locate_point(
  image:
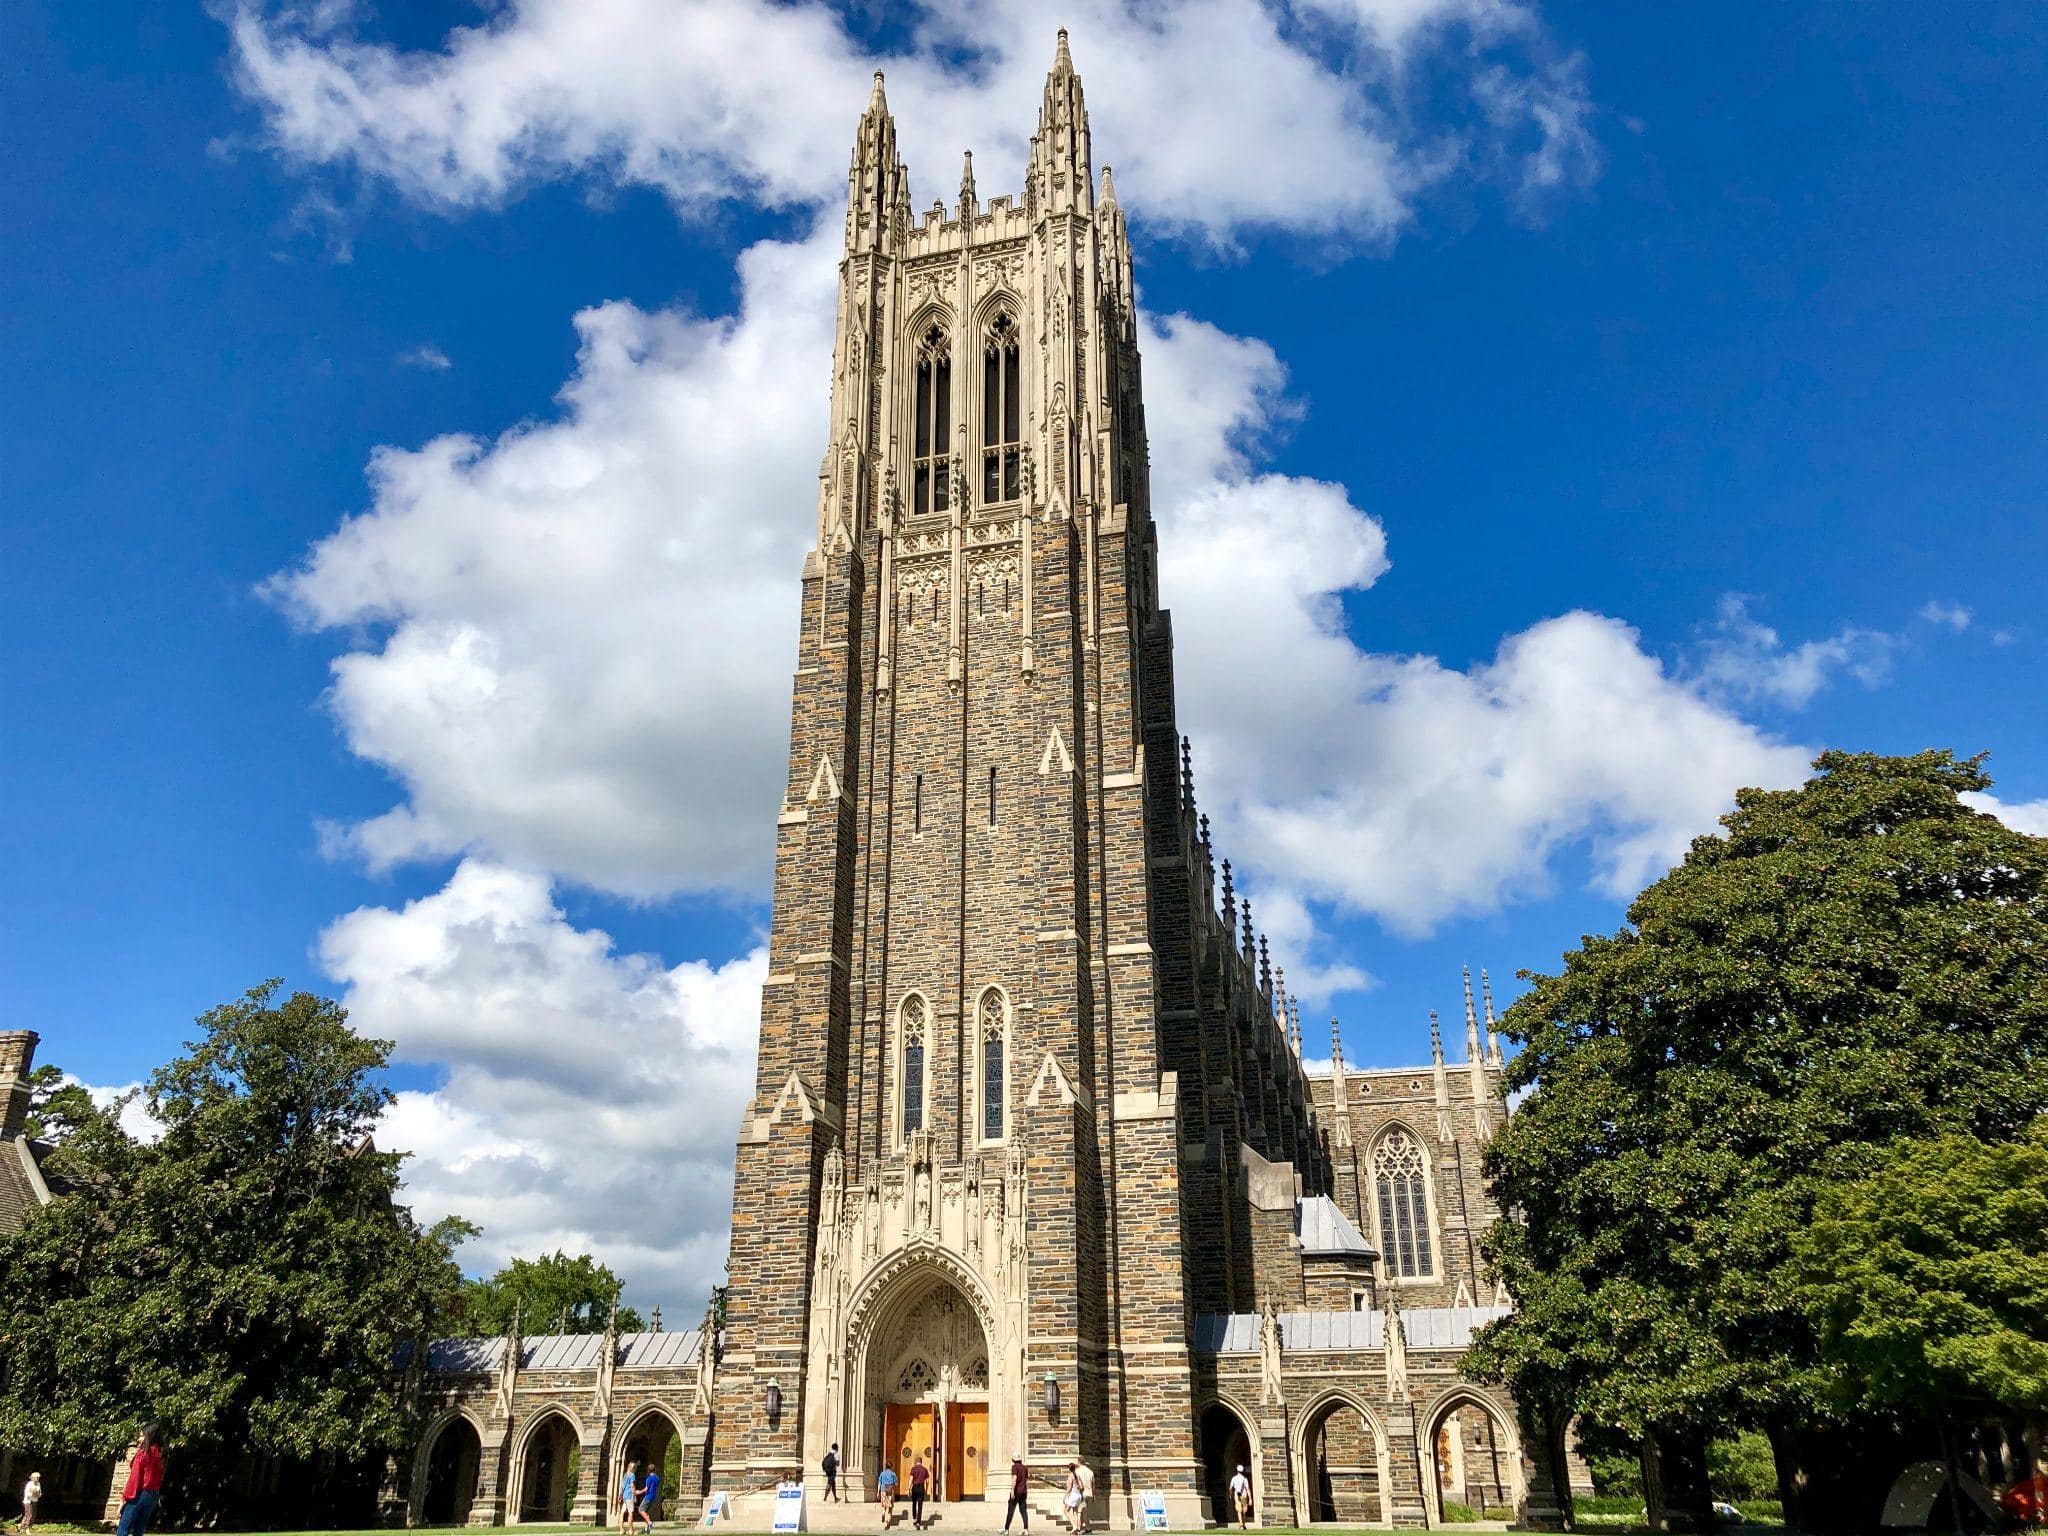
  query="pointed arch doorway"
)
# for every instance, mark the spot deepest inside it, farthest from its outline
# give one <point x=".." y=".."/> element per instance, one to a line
<point x="928" y="1383"/>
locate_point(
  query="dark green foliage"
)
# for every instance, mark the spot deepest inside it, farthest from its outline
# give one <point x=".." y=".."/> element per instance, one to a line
<point x="56" y="1108"/>
<point x="554" y="1294"/>
<point x="245" y="1280"/>
<point x="1928" y="1277"/>
<point x="1859" y="961"/>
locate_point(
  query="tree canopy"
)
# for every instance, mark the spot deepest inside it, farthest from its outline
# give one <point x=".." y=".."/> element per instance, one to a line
<point x="247" y="1278"/>
<point x="1928" y="1277"/>
<point x="553" y="1294"/>
<point x="1858" y="961"/>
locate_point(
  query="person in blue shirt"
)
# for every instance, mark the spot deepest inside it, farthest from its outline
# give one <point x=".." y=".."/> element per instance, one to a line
<point x="650" y="1500"/>
<point x="885" y="1488"/>
<point x="629" y="1497"/>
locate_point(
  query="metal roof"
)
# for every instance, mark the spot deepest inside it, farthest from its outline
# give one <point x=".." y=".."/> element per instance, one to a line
<point x="1321" y="1228"/>
<point x="1224" y="1333"/>
<point x="565" y="1352"/>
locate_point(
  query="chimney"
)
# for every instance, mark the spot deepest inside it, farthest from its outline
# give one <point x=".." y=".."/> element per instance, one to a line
<point x="17" y="1059"/>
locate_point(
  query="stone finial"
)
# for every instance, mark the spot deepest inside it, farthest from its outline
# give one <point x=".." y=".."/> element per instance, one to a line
<point x="655" y="1321"/>
<point x="1208" y="849"/>
<point x="1108" y="189"/>
<point x="1229" y="899"/>
<point x="1265" y="967"/>
<point x="1336" y="1050"/>
<point x="1062" y="61"/>
<point x="877" y="100"/>
<point x="967" y="198"/>
<point x="1436" y="1039"/>
<point x="1244" y="908"/>
<point x="1187" y="772"/>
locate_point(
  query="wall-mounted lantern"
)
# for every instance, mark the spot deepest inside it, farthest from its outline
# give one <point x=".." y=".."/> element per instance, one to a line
<point x="772" y="1400"/>
<point x="1052" y="1393"/>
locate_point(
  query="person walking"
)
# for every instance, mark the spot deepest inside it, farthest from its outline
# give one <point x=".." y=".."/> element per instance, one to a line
<point x="650" y="1500"/>
<point x="1072" y="1499"/>
<point x="1085" y="1476"/>
<point x="145" y="1483"/>
<point x="920" y="1482"/>
<point x="1241" y="1496"/>
<point x="31" y="1496"/>
<point x="629" y="1497"/>
<point x="885" y="1490"/>
<point x="1020" y="1489"/>
<point x="831" y="1466"/>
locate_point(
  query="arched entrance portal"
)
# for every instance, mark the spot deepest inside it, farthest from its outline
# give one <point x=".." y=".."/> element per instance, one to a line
<point x="928" y="1390"/>
<point x="1476" y="1454"/>
<point x="651" y="1442"/>
<point x="546" y="1469"/>
<point x="1226" y="1446"/>
<point x="453" y="1457"/>
<point x="1343" y="1465"/>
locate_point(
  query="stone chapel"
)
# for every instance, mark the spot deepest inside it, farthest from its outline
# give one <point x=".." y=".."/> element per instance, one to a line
<point x="1033" y="1166"/>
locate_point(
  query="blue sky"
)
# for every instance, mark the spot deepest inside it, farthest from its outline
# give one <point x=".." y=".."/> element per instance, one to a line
<point x="1726" y="327"/>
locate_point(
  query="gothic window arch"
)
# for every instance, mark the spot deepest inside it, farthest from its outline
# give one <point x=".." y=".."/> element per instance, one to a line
<point x="992" y="1063"/>
<point x="913" y="1064"/>
<point x="1403" y="1203"/>
<point x="1002" y="411"/>
<point x="916" y="1378"/>
<point x="932" y="418"/>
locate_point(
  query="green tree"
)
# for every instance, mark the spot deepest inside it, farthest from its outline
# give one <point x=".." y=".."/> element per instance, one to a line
<point x="552" y="1294"/>
<point x="1927" y="1278"/>
<point x="246" y="1279"/>
<point x="58" y="1106"/>
<point x="1860" y="960"/>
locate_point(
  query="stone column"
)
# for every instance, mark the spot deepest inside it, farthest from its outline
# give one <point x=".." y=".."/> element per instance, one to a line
<point x="112" y="1513"/>
<point x="488" y="1507"/>
<point x="1546" y="1502"/>
<point x="592" y="1471"/>
<point x="1407" y="1498"/>
<point x="1279" y="1506"/>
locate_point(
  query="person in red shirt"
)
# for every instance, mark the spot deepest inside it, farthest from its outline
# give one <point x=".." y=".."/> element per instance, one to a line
<point x="1020" y="1493"/>
<point x="920" y="1476"/>
<point x="145" y="1483"/>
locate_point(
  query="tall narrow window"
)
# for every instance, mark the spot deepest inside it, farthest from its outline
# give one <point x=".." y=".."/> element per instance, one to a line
<point x="1402" y="1181"/>
<point x="991" y="797"/>
<point x="992" y="1030"/>
<point x="1002" y="432"/>
<point x="914" y="1046"/>
<point x="917" y="804"/>
<point x="931" y="489"/>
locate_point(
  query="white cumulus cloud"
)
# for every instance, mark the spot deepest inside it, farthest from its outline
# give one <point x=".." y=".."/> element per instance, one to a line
<point x="755" y="100"/>
<point x="591" y="1099"/>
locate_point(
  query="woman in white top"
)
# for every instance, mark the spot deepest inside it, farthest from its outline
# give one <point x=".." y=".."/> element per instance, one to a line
<point x="31" y="1496"/>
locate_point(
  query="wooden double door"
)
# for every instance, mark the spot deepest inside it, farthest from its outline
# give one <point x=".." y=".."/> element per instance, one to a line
<point x="951" y="1437"/>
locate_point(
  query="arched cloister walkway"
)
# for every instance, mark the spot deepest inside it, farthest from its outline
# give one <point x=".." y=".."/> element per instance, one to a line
<point x="1472" y="1443"/>
<point x="545" y="1460"/>
<point x="1341" y="1471"/>
<point x="445" y="1471"/>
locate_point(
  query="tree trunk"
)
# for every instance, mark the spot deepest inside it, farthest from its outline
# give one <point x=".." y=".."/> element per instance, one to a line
<point x="1675" y="1479"/>
<point x="1833" y="1481"/>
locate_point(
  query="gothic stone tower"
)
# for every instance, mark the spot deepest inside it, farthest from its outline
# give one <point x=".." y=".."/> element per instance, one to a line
<point x="1012" y="1059"/>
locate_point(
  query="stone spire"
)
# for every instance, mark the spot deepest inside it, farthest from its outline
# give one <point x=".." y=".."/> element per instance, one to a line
<point x="968" y="202"/>
<point x="1441" y="1078"/>
<point x="875" y="182"/>
<point x="1475" y="1063"/>
<point x="1340" y="1092"/>
<point x="1060" y="173"/>
<point x="1493" y="1056"/>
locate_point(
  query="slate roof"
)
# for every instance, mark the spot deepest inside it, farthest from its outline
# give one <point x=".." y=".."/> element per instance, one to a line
<point x="1321" y="1228"/>
<point x="565" y="1352"/>
<point x="1224" y="1333"/>
<point x="18" y="1193"/>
